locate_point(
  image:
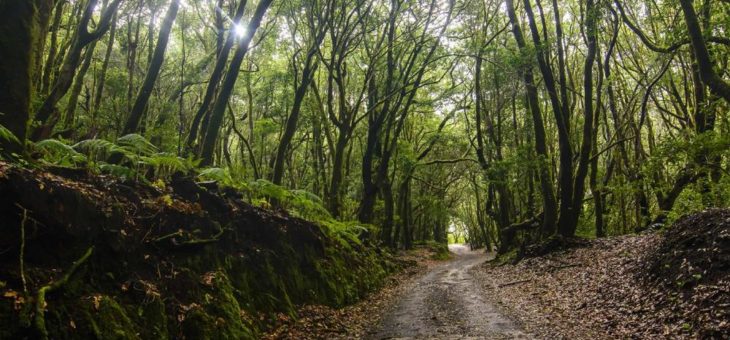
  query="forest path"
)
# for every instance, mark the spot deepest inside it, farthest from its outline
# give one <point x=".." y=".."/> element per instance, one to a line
<point x="446" y="303"/>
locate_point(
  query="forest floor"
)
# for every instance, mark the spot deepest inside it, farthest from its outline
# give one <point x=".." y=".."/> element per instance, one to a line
<point x="671" y="284"/>
<point x="668" y="284"/>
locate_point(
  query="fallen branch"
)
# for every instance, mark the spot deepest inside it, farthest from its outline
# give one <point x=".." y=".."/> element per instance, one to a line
<point x="40" y="301"/>
<point x="513" y="283"/>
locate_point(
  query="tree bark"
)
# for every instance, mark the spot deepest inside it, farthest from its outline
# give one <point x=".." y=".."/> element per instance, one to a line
<point x="219" y="107"/>
<point x="18" y="29"/>
<point x="47" y="115"/>
<point x="548" y="196"/>
<point x="716" y="84"/>
<point x="78" y="84"/>
<point x="102" y="75"/>
<point x="158" y="57"/>
<point x="215" y="78"/>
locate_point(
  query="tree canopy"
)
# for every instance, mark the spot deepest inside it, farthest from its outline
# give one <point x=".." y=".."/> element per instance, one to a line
<point x="510" y="122"/>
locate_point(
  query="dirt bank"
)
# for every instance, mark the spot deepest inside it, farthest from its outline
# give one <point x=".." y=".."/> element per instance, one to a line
<point x="86" y="256"/>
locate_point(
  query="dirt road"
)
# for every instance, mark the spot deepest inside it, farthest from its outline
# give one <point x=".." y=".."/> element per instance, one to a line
<point x="447" y="304"/>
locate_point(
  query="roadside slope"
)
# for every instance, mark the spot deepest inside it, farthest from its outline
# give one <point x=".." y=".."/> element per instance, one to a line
<point x="163" y="261"/>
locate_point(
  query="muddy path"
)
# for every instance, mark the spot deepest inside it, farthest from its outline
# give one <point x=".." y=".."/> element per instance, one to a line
<point x="446" y="303"/>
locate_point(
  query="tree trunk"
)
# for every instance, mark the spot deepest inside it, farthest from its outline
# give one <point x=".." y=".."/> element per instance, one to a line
<point x="548" y="196"/>
<point x="215" y="78"/>
<point x="310" y="65"/>
<point x="50" y="61"/>
<point x="716" y="84"/>
<point x="158" y="57"/>
<point x="47" y="115"/>
<point x="568" y="228"/>
<point x="16" y="52"/>
<point x="78" y="84"/>
<point x="216" y="117"/>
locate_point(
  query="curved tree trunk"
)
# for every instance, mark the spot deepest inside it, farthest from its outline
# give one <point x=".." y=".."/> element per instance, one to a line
<point x="78" y="84"/>
<point x="704" y="62"/>
<point x="548" y="196"/>
<point x="158" y="57"/>
<point x="219" y="107"/>
<point x="98" y="92"/>
<point x="48" y="115"/>
<point x="215" y="78"/>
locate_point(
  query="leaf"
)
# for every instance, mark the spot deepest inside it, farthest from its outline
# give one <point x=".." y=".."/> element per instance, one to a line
<point x="8" y="135"/>
<point x="137" y="144"/>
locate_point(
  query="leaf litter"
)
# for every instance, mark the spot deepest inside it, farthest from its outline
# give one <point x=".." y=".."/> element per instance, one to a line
<point x="672" y="284"/>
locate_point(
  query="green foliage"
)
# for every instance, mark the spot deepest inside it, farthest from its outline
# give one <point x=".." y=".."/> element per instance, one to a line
<point x="689" y="201"/>
<point x="138" y="157"/>
<point x="8" y="135"/>
<point x="59" y="153"/>
<point x="136" y="144"/>
<point x="220" y="175"/>
<point x="299" y="202"/>
<point x="96" y="148"/>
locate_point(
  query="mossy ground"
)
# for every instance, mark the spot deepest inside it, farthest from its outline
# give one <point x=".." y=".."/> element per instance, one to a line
<point x="178" y="262"/>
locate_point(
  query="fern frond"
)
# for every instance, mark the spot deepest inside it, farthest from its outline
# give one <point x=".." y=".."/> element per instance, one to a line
<point x="216" y="174"/>
<point x="96" y="149"/>
<point x="8" y="135"/>
<point x="59" y="153"/>
<point x="118" y="171"/>
<point x="304" y="194"/>
<point x="137" y="144"/>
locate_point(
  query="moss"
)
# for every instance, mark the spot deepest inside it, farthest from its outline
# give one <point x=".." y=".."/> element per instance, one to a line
<point x="108" y="319"/>
<point x="262" y="266"/>
<point x="155" y="320"/>
<point x="219" y="316"/>
<point x="509" y="257"/>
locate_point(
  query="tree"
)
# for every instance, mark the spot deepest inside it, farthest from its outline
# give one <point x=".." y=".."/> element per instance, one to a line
<point x="318" y="16"/>
<point x="47" y="116"/>
<point x="17" y="52"/>
<point x="158" y="57"/>
<point x="221" y="102"/>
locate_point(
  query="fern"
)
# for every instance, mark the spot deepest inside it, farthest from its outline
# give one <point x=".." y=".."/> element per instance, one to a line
<point x="136" y="144"/>
<point x="119" y="171"/>
<point x="262" y="187"/>
<point x="306" y="195"/>
<point x="8" y="135"/>
<point x="299" y="202"/>
<point x="216" y="174"/>
<point x="165" y="163"/>
<point x="59" y="153"/>
<point x="96" y="149"/>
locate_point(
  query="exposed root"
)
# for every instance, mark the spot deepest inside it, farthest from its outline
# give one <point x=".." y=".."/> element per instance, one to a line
<point x="40" y="302"/>
<point x="22" y="248"/>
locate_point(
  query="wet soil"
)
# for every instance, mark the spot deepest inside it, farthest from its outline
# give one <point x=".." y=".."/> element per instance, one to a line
<point x="447" y="303"/>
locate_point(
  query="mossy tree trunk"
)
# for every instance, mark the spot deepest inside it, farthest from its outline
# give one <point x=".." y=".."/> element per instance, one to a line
<point x="18" y="29"/>
<point x="48" y="114"/>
